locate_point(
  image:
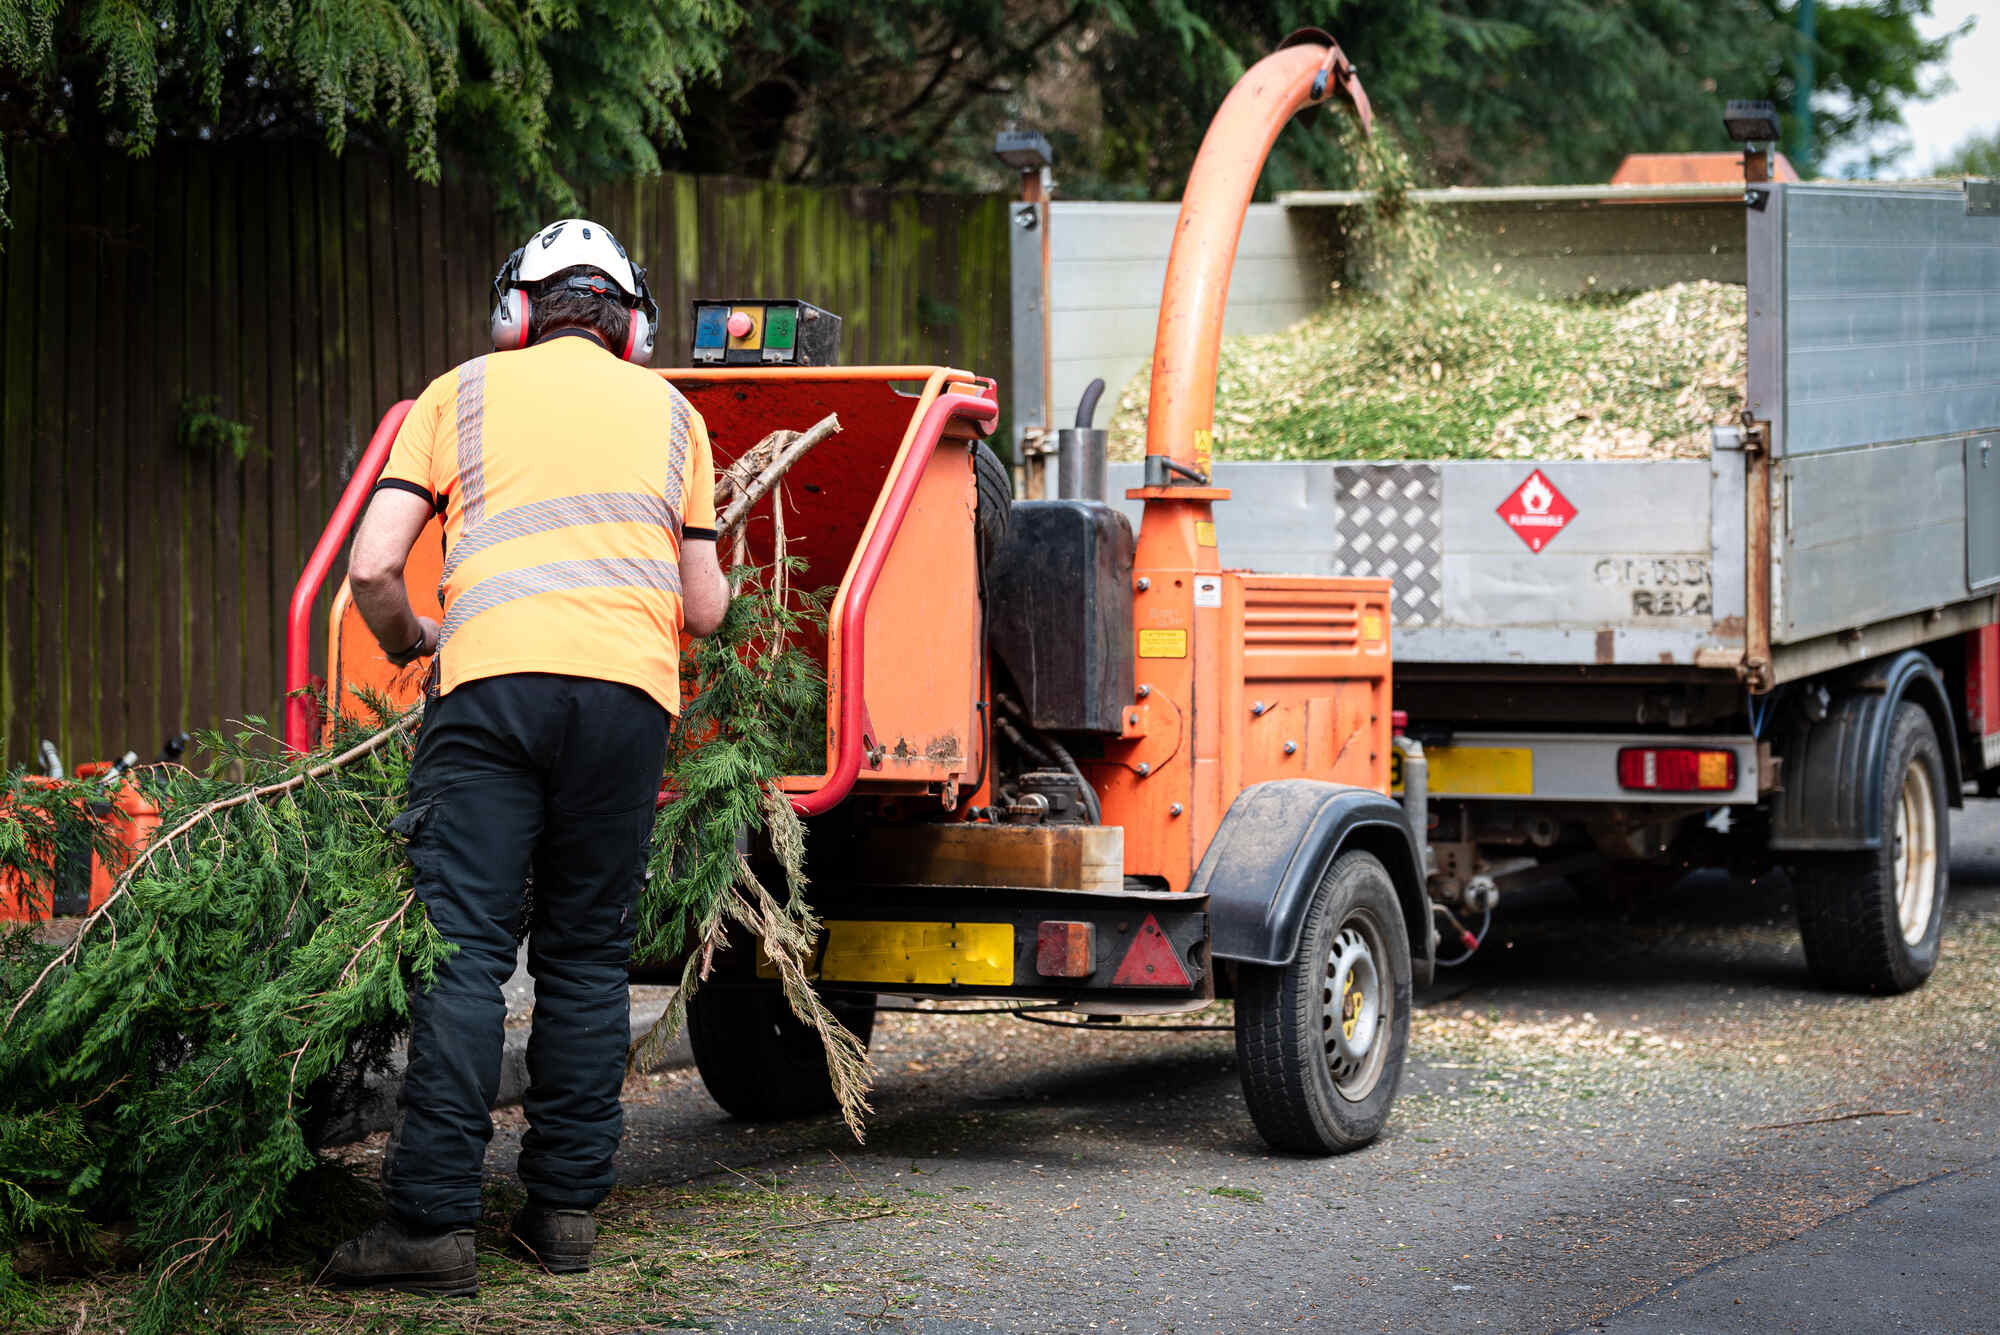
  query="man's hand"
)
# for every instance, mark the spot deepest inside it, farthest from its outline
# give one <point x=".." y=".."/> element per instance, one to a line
<point x="423" y="645"/>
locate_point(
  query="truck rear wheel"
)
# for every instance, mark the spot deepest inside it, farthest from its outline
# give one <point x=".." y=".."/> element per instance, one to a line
<point x="1320" y="1041"/>
<point x="1872" y="920"/>
<point x="757" y="1059"/>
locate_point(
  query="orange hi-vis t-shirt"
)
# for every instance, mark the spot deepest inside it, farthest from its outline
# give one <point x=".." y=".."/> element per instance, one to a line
<point x="567" y="479"/>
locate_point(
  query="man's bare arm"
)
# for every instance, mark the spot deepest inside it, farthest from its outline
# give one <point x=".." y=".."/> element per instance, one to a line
<point x="704" y="588"/>
<point x="390" y="527"/>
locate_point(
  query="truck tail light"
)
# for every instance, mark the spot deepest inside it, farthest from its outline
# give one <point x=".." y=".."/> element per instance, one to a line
<point x="1065" y="949"/>
<point x="1676" y="769"/>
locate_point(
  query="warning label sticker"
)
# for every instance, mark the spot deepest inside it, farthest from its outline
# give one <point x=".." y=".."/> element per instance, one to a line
<point x="1536" y="511"/>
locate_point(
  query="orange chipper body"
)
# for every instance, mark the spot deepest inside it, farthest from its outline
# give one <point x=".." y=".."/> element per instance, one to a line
<point x="1226" y="830"/>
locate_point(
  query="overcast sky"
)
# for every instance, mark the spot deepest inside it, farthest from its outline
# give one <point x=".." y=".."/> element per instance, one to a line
<point x="1936" y="127"/>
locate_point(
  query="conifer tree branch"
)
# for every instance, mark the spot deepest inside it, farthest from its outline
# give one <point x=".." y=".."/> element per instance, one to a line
<point x="206" y="812"/>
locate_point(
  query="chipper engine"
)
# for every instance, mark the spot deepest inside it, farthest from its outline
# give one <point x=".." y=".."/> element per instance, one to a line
<point x="1065" y="765"/>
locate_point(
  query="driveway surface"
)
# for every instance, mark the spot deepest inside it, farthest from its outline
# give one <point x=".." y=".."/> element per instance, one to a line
<point x="1640" y="1122"/>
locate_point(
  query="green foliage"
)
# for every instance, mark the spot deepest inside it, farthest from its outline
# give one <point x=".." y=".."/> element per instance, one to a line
<point x="755" y="713"/>
<point x="166" y="1067"/>
<point x="1487" y="91"/>
<point x="1499" y="91"/>
<point x="173" y="1065"/>
<point x="206" y="431"/>
<point x="1977" y="155"/>
<point x="540" y="94"/>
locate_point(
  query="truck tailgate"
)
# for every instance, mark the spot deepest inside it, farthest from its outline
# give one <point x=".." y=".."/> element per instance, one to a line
<point x="1560" y="562"/>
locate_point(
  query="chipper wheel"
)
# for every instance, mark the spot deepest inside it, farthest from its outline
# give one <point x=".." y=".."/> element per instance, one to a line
<point x="1872" y="920"/>
<point x="1320" y="1041"/>
<point x="995" y="511"/>
<point x="757" y="1059"/>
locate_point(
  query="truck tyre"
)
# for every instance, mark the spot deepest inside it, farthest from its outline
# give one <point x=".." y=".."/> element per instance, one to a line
<point x="996" y="502"/>
<point x="1320" y="1041"/>
<point x="757" y="1059"/>
<point x="1872" y="920"/>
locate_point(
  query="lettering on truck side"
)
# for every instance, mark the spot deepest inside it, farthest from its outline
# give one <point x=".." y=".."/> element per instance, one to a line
<point x="1660" y="586"/>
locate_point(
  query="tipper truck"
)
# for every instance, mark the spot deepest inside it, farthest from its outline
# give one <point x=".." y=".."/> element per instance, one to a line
<point x="1784" y="654"/>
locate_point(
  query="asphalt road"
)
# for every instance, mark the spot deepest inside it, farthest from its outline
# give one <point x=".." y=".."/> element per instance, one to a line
<point x="1618" y="1123"/>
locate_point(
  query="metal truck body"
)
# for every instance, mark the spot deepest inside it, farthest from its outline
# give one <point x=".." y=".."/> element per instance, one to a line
<point x="1555" y="617"/>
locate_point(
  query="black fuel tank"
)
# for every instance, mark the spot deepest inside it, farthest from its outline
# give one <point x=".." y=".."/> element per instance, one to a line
<point x="1059" y="605"/>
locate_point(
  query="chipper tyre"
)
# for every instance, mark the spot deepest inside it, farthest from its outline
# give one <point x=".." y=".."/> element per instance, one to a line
<point x="757" y="1059"/>
<point x="1320" y="1041"/>
<point x="995" y="513"/>
<point x="1872" y="920"/>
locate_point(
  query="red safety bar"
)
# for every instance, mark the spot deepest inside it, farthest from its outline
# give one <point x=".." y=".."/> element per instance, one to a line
<point x="848" y="728"/>
<point x="298" y="626"/>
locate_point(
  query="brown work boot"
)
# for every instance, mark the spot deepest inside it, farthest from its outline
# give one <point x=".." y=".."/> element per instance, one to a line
<point x="557" y="1240"/>
<point x="388" y="1256"/>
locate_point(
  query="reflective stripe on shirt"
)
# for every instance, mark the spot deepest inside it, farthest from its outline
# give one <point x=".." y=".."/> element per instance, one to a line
<point x="677" y="449"/>
<point x="596" y="507"/>
<point x="471" y="419"/>
<point x="512" y="585"/>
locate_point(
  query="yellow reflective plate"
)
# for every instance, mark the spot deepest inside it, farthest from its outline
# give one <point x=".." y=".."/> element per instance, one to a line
<point x="923" y="953"/>
<point x="1505" y="771"/>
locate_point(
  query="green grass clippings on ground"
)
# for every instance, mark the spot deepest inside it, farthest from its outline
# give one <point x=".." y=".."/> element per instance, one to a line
<point x="1249" y="1194"/>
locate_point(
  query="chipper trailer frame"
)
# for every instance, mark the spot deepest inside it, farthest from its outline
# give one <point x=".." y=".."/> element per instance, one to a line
<point x="1064" y="766"/>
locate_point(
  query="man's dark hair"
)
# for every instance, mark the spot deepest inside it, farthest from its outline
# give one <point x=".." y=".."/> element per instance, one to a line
<point x="554" y="306"/>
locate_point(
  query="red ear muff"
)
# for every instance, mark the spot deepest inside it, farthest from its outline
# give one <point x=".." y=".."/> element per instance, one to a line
<point x="638" y="339"/>
<point x="510" y="320"/>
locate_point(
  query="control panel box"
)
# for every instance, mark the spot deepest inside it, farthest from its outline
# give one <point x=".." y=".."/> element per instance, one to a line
<point x="756" y="331"/>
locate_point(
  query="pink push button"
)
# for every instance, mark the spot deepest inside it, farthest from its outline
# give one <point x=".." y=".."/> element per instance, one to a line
<point x="740" y="324"/>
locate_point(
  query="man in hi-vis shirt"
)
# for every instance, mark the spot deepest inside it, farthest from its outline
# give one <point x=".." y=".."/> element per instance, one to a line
<point x="578" y="499"/>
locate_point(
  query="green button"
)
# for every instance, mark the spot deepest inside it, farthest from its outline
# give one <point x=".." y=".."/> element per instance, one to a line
<point x="781" y="327"/>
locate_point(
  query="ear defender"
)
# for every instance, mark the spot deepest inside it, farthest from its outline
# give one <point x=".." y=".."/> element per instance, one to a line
<point x="509" y="322"/>
<point x="509" y="325"/>
<point x="639" y="333"/>
<point x="645" y="326"/>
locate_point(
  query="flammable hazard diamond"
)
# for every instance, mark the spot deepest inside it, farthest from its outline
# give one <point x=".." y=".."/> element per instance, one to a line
<point x="1536" y="511"/>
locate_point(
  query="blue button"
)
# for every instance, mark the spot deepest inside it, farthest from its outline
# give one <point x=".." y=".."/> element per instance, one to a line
<point x="711" y="326"/>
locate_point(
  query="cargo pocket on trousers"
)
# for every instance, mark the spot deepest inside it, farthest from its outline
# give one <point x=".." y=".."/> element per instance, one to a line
<point x="418" y="845"/>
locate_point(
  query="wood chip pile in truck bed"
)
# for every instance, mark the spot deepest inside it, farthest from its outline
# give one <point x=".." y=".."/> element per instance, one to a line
<point x="1459" y="374"/>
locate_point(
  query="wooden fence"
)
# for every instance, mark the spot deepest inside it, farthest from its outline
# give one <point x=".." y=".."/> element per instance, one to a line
<point x="143" y="580"/>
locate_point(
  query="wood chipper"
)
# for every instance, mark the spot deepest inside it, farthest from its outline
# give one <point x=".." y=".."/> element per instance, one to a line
<point x="1064" y="764"/>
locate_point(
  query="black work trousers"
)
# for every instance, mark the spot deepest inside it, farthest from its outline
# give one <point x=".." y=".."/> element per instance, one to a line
<point x="558" y="775"/>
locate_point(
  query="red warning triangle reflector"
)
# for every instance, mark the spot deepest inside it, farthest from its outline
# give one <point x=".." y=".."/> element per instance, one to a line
<point x="1151" y="960"/>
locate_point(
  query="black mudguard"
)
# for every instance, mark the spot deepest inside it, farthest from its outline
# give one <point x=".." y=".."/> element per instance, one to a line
<point x="1276" y="841"/>
<point x="1831" y="794"/>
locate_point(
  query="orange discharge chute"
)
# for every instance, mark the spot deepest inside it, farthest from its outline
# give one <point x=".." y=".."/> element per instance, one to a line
<point x="1181" y="413"/>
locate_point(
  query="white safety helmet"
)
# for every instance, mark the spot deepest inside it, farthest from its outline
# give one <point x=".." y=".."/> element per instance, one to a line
<point x="567" y="244"/>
